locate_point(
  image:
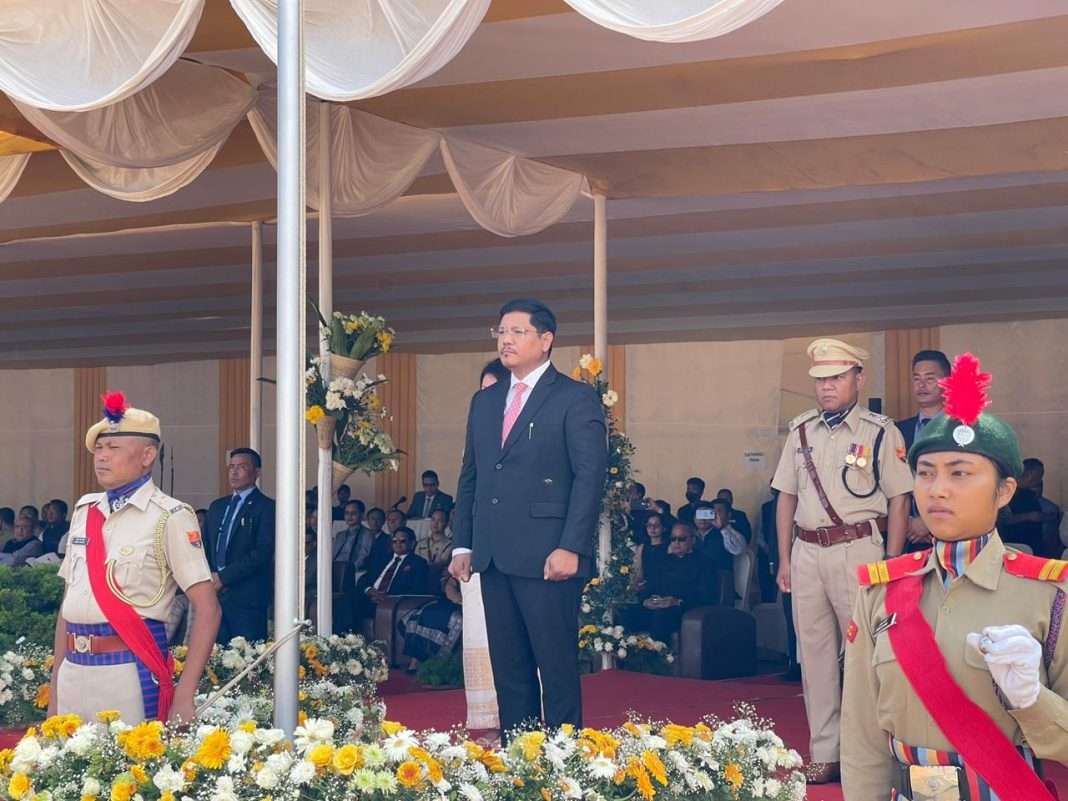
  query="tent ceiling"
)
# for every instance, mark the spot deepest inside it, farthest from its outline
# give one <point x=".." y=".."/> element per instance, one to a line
<point x="834" y="165"/>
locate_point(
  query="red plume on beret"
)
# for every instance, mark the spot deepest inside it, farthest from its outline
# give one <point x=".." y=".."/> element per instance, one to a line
<point x="114" y="406"/>
<point x="966" y="387"/>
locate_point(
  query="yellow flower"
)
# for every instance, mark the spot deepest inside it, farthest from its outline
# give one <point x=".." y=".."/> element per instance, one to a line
<point x="248" y="727"/>
<point x="18" y="786"/>
<point x="302" y="717"/>
<point x="588" y="629"/>
<point x="546" y="795"/>
<point x="624" y="570"/>
<point x="138" y="772"/>
<point x="310" y="651"/>
<point x="179" y="666"/>
<point x="703" y="732"/>
<point x="347" y="759"/>
<point x="655" y="766"/>
<point x="391" y="727"/>
<point x="614" y="471"/>
<point x="630" y="728"/>
<point x="167" y="795"/>
<point x="732" y="774"/>
<point x="374" y="403"/>
<point x="321" y="755"/>
<point x="123" y="790"/>
<point x="189" y="770"/>
<point x="595" y="367"/>
<point x="49" y="662"/>
<point x="641" y="777"/>
<point x="409" y="773"/>
<point x="59" y="726"/>
<point x="577" y="374"/>
<point x="385" y="341"/>
<point x="595" y="582"/>
<point x="314" y="414"/>
<point x="585" y="361"/>
<point x="301" y="672"/>
<point x="41" y="699"/>
<point x="144" y="741"/>
<point x="530" y="744"/>
<point x="214" y="750"/>
<point x="6" y="755"/>
<point x="92" y="798"/>
<point x="567" y="728"/>
<point x="675" y="734"/>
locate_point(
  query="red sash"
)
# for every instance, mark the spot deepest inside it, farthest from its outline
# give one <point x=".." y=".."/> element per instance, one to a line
<point x="123" y="618"/>
<point x="966" y="725"/>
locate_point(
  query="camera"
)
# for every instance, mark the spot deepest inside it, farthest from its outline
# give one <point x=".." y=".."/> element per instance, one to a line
<point x="704" y="514"/>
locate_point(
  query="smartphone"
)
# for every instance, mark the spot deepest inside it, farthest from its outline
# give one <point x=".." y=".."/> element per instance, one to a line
<point x="704" y="514"/>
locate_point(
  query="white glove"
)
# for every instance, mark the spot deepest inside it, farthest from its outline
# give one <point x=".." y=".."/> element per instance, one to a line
<point x="1013" y="657"/>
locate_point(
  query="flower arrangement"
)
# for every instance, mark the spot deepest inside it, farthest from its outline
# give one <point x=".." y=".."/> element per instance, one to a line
<point x="615" y="586"/>
<point x="25" y="674"/>
<point x="355" y="338"/>
<point x="73" y="760"/>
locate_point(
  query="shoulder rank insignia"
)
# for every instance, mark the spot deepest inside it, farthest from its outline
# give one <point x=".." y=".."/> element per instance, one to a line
<point x="803" y="418"/>
<point x="891" y="569"/>
<point x="874" y="417"/>
<point x="1038" y="568"/>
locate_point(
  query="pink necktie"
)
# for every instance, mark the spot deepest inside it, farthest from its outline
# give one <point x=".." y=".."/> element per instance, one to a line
<point x="511" y="414"/>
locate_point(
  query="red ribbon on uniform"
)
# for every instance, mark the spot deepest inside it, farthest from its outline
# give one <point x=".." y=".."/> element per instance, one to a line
<point x="129" y="625"/>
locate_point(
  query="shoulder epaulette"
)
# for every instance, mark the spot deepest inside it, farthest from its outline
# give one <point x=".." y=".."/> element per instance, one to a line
<point x="891" y="569"/>
<point x="803" y="418"/>
<point x="89" y="497"/>
<point x="169" y="504"/>
<point x="1038" y="568"/>
<point x="880" y="420"/>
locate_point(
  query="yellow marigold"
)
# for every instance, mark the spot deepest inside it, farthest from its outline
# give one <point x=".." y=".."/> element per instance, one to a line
<point x="189" y="770"/>
<point x="546" y="795"/>
<point x="732" y="774"/>
<point x="314" y="414"/>
<point x="391" y="727"/>
<point x="474" y="750"/>
<point x="577" y="374"/>
<point x="595" y="582"/>
<point x="493" y="763"/>
<point x="89" y="798"/>
<point x="167" y="795"/>
<point x="567" y="728"/>
<point x="517" y="782"/>
<point x="59" y="726"/>
<point x="321" y="755"/>
<point x="311" y="651"/>
<point x="6" y="755"/>
<point x="19" y="786"/>
<point x="301" y="672"/>
<point x="347" y="759"/>
<point x="123" y="790"/>
<point x="595" y="367"/>
<point x="212" y="675"/>
<point x="630" y="728"/>
<point x="410" y="773"/>
<point x="703" y="732"/>
<point x="41" y="699"/>
<point x="637" y="771"/>
<point x="214" y="750"/>
<point x="434" y="771"/>
<point x="530" y="744"/>
<point x="655" y="766"/>
<point x="138" y="772"/>
<point x="144" y="741"/>
<point x="675" y="734"/>
<point x="302" y="717"/>
<point x="179" y="666"/>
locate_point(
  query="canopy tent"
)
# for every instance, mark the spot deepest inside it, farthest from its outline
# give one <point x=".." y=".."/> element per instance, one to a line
<point x="821" y="163"/>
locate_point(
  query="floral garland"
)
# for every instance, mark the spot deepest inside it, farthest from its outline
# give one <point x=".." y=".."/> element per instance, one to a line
<point x="614" y="586"/>
<point x="73" y="760"/>
<point x="25" y="675"/>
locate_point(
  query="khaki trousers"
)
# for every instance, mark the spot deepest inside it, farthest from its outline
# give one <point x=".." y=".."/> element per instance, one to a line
<point x="823" y="584"/>
<point x="88" y="690"/>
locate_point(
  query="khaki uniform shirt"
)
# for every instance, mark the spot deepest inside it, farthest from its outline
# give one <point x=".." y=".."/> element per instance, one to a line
<point x="131" y="541"/>
<point x="829" y="451"/>
<point x="878" y="700"/>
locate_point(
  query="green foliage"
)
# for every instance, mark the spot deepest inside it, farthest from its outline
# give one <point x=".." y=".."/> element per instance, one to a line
<point x="29" y="602"/>
<point x="444" y="670"/>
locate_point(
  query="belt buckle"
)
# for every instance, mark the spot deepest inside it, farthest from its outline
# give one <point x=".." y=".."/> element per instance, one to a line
<point x="934" y="783"/>
<point x="83" y="644"/>
<point x="822" y="533"/>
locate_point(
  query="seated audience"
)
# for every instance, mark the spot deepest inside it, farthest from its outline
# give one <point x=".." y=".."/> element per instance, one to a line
<point x="30" y="511"/>
<point x="395" y="519"/>
<point x="352" y="542"/>
<point x="653" y="547"/>
<point x="56" y="524"/>
<point x="1021" y="521"/>
<point x="682" y="580"/>
<point x="639" y="510"/>
<point x="695" y="490"/>
<point x="1034" y="479"/>
<point x="739" y="519"/>
<point x="343" y="495"/>
<point x="437" y="548"/>
<point x="721" y="541"/>
<point x="404" y="574"/>
<point x="435" y="628"/>
<point x="430" y="499"/>
<point x="7" y="524"/>
<point x="663" y="508"/>
<point x="23" y="546"/>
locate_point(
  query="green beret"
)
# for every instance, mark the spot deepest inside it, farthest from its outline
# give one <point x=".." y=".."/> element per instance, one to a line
<point x="990" y="436"/>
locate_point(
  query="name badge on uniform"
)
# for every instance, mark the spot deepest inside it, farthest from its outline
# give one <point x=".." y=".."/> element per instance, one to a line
<point x="79" y="540"/>
<point x="884" y="624"/>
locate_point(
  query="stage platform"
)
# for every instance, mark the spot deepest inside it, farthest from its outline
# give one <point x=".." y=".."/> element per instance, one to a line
<point x="608" y="697"/>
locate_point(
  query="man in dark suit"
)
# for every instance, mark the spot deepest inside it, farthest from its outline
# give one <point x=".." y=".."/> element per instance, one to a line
<point x="928" y="368"/>
<point x="406" y="573"/>
<point x="240" y="542"/>
<point x="528" y="501"/>
<point x="430" y="500"/>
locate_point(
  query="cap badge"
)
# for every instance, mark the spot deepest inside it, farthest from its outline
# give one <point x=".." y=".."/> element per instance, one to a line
<point x="964" y="435"/>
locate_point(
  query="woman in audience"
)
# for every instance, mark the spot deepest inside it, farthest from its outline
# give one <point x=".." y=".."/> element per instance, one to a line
<point x="437" y="548"/>
<point x="652" y="549"/>
<point x="436" y="628"/>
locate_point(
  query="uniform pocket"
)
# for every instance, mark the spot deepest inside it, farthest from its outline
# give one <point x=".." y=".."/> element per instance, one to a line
<point x="883" y="652"/>
<point x="128" y="570"/>
<point x="974" y="659"/>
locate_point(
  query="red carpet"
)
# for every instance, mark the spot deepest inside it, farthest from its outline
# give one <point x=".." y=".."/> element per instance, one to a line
<point x="607" y="698"/>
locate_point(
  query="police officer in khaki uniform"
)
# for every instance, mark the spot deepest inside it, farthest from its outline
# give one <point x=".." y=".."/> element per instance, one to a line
<point x="129" y="550"/>
<point x="955" y="677"/>
<point x="842" y="483"/>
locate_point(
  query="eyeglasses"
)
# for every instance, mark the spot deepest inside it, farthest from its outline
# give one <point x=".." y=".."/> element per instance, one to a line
<point x="680" y="539"/>
<point x="515" y="333"/>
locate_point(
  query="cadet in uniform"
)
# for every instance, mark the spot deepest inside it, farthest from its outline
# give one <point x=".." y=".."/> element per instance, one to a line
<point x="842" y="481"/>
<point x="129" y="550"/>
<point x="955" y="676"/>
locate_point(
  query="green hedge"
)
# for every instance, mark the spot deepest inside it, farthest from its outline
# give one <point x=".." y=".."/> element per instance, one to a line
<point x="29" y="601"/>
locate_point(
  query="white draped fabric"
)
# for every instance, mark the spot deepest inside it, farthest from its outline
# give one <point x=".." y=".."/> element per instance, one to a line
<point x="190" y="110"/>
<point x="78" y="55"/>
<point x="11" y="168"/>
<point x="508" y="194"/>
<point x="373" y="161"/>
<point x="363" y="49"/>
<point x="140" y="184"/>
<point x="673" y="21"/>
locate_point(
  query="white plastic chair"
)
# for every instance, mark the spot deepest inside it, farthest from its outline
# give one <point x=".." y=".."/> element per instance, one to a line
<point x="743" y="577"/>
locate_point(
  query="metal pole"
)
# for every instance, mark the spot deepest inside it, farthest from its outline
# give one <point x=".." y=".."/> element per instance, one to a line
<point x="289" y="514"/>
<point x="600" y="278"/>
<point x="255" y="386"/>
<point x="324" y="606"/>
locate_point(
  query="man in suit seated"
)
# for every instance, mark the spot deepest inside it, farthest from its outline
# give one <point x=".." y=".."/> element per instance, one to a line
<point x="430" y="499"/>
<point x="739" y="520"/>
<point x="683" y="580"/>
<point x="405" y="574"/>
<point x="240" y="545"/>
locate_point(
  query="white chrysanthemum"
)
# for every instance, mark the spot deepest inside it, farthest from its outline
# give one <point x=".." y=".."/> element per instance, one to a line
<point x="303" y="773"/>
<point x="280" y="762"/>
<point x="167" y="778"/>
<point x="454" y="752"/>
<point x="27" y="752"/>
<point x="224" y="790"/>
<point x="27" y="674"/>
<point x="91" y="787"/>
<point x="398" y="746"/>
<point x="266" y="778"/>
<point x="117" y="727"/>
<point x="83" y="740"/>
<point x="470" y="792"/>
<point x="269" y="737"/>
<point x="241" y="742"/>
<point x="334" y="401"/>
<point x="354" y="667"/>
<point x="232" y="660"/>
<point x="678" y="761"/>
<point x="622" y="653"/>
<point x="610" y="398"/>
<point x="585" y="361"/>
<point x="601" y="767"/>
<point x="772" y="787"/>
<point x="373" y="755"/>
<point x="364" y="781"/>
<point x="385" y="782"/>
<point x="355" y="717"/>
<point x="570" y="788"/>
<point x="654" y="742"/>
<point x="313" y="732"/>
<point x="437" y="740"/>
<point x="236" y="763"/>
